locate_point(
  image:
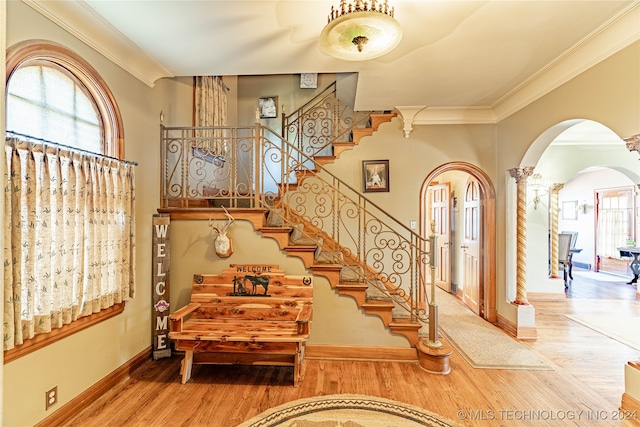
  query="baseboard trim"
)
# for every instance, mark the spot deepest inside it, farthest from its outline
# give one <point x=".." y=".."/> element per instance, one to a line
<point x="368" y="353"/>
<point x="74" y="406"/>
<point x="630" y="404"/>
<point x="519" y="332"/>
<point x="507" y="325"/>
<point x="584" y="265"/>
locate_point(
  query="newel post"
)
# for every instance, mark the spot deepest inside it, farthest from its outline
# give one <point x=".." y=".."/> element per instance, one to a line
<point x="258" y="166"/>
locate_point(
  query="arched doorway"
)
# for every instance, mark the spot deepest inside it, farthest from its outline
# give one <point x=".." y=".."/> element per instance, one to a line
<point x="596" y="173"/>
<point x="440" y="204"/>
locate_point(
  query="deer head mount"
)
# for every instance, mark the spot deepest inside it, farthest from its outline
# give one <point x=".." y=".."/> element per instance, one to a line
<point x="222" y="243"/>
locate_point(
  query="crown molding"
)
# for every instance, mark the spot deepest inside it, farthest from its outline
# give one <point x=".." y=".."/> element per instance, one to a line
<point x="618" y="33"/>
<point x="424" y="115"/>
<point x="84" y="23"/>
<point x="613" y="36"/>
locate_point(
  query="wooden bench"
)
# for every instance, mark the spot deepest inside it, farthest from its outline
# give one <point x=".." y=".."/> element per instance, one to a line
<point x="234" y="319"/>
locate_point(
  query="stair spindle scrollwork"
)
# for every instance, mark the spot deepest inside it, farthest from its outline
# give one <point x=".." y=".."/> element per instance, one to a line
<point x="261" y="169"/>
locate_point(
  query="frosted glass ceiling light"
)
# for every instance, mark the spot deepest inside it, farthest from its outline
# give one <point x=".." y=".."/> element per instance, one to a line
<point x="360" y="31"/>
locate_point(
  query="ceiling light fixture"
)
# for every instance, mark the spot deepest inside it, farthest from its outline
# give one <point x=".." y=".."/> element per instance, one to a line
<point x="361" y="30"/>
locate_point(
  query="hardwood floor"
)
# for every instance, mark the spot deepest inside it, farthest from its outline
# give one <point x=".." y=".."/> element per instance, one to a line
<point x="584" y="389"/>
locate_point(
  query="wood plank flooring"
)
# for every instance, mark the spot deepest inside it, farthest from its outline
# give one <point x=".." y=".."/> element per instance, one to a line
<point x="584" y="389"/>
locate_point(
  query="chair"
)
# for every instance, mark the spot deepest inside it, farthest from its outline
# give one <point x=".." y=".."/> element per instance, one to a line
<point x="574" y="238"/>
<point x="564" y="252"/>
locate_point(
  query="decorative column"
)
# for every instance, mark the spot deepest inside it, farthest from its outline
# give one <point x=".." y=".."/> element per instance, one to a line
<point x="555" y="189"/>
<point x="520" y="175"/>
<point x="633" y="144"/>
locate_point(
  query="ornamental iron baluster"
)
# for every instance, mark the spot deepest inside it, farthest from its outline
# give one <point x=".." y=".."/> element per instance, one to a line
<point x="263" y="170"/>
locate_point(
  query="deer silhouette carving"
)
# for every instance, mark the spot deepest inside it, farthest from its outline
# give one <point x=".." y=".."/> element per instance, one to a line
<point x="223" y="243"/>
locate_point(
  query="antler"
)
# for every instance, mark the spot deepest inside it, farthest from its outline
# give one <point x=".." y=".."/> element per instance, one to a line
<point x="222" y="231"/>
<point x="231" y="219"/>
<point x="213" y="227"/>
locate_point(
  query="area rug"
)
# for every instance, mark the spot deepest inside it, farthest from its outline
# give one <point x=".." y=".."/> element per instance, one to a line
<point x="624" y="329"/>
<point x="480" y="343"/>
<point x="347" y="410"/>
<point x="600" y="277"/>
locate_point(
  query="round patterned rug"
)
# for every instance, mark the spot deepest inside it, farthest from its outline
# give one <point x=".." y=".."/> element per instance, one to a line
<point x="347" y="410"/>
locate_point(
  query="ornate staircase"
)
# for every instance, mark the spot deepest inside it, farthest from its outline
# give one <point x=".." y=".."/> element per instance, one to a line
<point x="363" y="251"/>
<point x="357" y="134"/>
<point x="371" y="299"/>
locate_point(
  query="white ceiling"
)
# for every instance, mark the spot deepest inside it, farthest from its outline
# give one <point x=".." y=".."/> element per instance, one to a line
<point x="458" y="61"/>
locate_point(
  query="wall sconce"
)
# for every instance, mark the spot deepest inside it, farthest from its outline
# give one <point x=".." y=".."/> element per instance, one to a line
<point x="540" y="187"/>
<point x="584" y="207"/>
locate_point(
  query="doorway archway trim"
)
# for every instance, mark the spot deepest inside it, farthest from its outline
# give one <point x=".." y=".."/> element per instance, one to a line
<point x="488" y="245"/>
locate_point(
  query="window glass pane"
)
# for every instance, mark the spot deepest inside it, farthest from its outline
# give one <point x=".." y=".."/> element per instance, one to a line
<point x="45" y="102"/>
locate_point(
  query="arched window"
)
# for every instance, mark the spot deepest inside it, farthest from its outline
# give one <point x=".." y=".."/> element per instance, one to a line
<point x="64" y="139"/>
<point x="55" y="95"/>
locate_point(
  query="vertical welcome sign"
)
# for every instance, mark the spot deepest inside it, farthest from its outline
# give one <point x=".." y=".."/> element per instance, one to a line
<point x="160" y="274"/>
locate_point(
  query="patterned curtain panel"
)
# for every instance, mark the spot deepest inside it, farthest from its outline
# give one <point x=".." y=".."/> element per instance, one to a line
<point x="69" y="237"/>
<point x="210" y="102"/>
<point x="210" y="110"/>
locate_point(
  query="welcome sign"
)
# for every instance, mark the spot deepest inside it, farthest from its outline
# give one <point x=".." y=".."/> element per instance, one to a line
<point x="160" y="278"/>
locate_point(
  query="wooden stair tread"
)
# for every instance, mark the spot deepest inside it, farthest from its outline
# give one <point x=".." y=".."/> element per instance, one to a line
<point x="300" y="248"/>
<point x="378" y="118"/>
<point x="353" y="285"/>
<point x="405" y="323"/>
<point x="378" y="304"/>
<point x="324" y="160"/>
<point x="363" y="131"/>
<point x="271" y="229"/>
<point x="359" y="133"/>
<point x="327" y="267"/>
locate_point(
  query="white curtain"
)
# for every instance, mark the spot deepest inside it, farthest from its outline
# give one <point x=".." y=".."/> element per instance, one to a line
<point x="69" y="237"/>
<point x="612" y="229"/>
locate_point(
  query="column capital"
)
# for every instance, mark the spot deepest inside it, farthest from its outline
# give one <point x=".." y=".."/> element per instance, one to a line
<point x="556" y="187"/>
<point x="633" y="143"/>
<point x="521" y="174"/>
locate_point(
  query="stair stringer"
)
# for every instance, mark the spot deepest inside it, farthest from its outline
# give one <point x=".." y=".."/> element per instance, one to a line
<point x="358" y="133"/>
<point x="384" y="309"/>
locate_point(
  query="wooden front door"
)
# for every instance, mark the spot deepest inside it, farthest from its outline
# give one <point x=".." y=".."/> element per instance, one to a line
<point x="471" y="285"/>
<point x="439" y="203"/>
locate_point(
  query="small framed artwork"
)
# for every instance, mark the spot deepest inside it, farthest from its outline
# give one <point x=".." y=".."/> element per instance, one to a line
<point x="308" y="80"/>
<point x="570" y="209"/>
<point x="375" y="175"/>
<point x="268" y="107"/>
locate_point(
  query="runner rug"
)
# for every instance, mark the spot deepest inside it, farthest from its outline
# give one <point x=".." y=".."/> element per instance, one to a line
<point x="624" y="329"/>
<point x="482" y="344"/>
<point x="351" y="410"/>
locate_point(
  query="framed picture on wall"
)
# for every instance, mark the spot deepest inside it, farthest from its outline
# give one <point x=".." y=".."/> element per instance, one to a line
<point x="375" y="175"/>
<point x="570" y="209"/>
<point x="268" y="107"/>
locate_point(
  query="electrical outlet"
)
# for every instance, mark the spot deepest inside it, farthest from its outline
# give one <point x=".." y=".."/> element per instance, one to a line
<point x="51" y="397"/>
